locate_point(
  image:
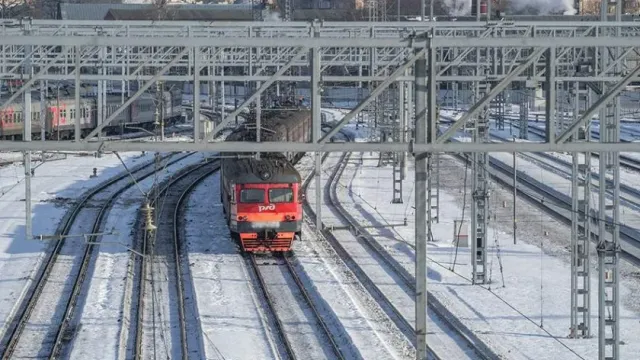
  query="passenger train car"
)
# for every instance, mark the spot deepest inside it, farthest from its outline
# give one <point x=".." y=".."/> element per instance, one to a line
<point x="61" y="115"/>
<point x="262" y="198"/>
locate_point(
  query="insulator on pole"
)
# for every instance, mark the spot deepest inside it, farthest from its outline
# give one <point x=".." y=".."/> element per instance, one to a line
<point x="148" y="213"/>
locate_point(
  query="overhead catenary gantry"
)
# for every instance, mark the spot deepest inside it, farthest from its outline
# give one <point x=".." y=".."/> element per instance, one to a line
<point x="424" y="55"/>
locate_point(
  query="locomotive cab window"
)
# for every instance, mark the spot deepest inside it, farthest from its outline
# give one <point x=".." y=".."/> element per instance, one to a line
<point x="252" y="196"/>
<point x="284" y="195"/>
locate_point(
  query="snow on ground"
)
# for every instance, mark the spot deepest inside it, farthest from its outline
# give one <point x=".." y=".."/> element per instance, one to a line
<point x="54" y="187"/>
<point x="535" y="282"/>
<point x="387" y="281"/>
<point x="232" y="324"/>
<point x="560" y="183"/>
<point x="102" y="313"/>
<point x="361" y="320"/>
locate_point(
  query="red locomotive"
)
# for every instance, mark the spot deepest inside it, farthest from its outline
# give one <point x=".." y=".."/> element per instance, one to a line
<point x="262" y="198"/>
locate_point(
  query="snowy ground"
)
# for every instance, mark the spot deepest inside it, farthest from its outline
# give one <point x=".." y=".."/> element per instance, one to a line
<point x="536" y="283"/>
<point x="230" y="315"/>
<point x="106" y="301"/>
<point x="54" y="188"/>
<point x="523" y="315"/>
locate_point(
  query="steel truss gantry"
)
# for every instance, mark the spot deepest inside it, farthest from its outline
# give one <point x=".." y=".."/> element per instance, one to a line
<point x="320" y="54"/>
<point x="480" y="194"/>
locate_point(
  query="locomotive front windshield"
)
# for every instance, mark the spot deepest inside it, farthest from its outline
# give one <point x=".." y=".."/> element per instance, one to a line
<point x="252" y="196"/>
<point x="284" y="195"/>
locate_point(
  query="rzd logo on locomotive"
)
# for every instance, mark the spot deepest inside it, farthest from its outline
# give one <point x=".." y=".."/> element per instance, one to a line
<point x="269" y="207"/>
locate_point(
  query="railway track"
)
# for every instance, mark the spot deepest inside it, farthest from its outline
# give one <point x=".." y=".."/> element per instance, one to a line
<point x="559" y="205"/>
<point x="274" y="273"/>
<point x="162" y="268"/>
<point x="563" y="169"/>
<point x="625" y="161"/>
<point x="63" y="280"/>
<point x="476" y="349"/>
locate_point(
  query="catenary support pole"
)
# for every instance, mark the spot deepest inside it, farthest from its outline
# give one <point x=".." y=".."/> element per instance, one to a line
<point x="608" y="246"/>
<point x="515" y="194"/>
<point x="258" y="109"/>
<point x="223" y="110"/>
<point x="43" y="112"/>
<point x="28" y="71"/>
<point x="196" y="94"/>
<point x="581" y="223"/>
<point x="398" y="158"/>
<point x="550" y="103"/>
<point x="316" y="121"/>
<point x="479" y="207"/>
<point x="78" y="113"/>
<point x="421" y="208"/>
<point x="433" y="113"/>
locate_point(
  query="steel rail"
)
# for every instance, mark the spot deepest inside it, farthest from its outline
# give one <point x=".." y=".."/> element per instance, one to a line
<point x="473" y="342"/>
<point x="12" y="336"/>
<point x="567" y="173"/>
<point x="625" y="161"/>
<point x="555" y="203"/>
<point x="314" y="309"/>
<point x="177" y="247"/>
<point x="391" y="310"/>
<point x="305" y="294"/>
<point x="624" y="189"/>
<point x="630" y="234"/>
<point x="164" y="189"/>
<point x="563" y="203"/>
<point x="270" y="303"/>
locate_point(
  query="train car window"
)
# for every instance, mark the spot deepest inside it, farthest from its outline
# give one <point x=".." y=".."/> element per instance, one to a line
<point x="72" y="113"/>
<point x="284" y="195"/>
<point x="252" y="196"/>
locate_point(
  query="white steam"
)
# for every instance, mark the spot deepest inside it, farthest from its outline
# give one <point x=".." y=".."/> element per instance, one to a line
<point x="543" y="7"/>
<point x="513" y="7"/>
<point x="458" y="7"/>
<point x="272" y="15"/>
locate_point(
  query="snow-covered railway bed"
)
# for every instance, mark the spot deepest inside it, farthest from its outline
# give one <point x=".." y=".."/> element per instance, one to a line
<point x="36" y="330"/>
<point x="234" y="321"/>
<point x="628" y="215"/>
<point x="163" y="325"/>
<point x="447" y="339"/>
<point x="630" y="196"/>
<point x="352" y="308"/>
<point x="101" y="327"/>
<point x="529" y="281"/>
<point x="295" y="304"/>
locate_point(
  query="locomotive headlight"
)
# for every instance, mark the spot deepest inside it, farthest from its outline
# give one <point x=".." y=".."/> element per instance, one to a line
<point x="287" y="217"/>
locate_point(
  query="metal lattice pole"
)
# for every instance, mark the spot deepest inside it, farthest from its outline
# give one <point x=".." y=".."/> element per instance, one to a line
<point x="608" y="247"/>
<point x="398" y="157"/>
<point x="28" y="71"/>
<point x="479" y="208"/>
<point x="421" y="210"/>
<point x="580" y="224"/>
<point x="524" y="114"/>
<point x="433" y="180"/>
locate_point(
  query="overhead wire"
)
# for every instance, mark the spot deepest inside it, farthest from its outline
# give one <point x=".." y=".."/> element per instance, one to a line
<point x="506" y="302"/>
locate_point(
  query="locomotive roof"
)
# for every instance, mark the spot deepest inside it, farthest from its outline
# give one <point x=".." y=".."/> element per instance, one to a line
<point x="271" y="168"/>
<point x="270" y="121"/>
<point x="244" y="170"/>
